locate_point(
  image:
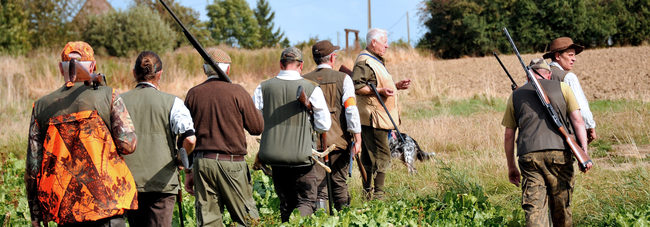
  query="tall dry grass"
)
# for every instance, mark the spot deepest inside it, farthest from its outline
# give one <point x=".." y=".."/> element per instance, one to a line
<point x="468" y="145"/>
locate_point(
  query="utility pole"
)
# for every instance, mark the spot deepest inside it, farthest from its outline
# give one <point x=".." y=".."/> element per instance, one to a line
<point x="338" y="38"/>
<point x="369" y="24"/>
<point x="408" y="29"/>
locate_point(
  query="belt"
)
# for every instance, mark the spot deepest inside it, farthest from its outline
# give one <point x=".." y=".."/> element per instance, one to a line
<point x="223" y="157"/>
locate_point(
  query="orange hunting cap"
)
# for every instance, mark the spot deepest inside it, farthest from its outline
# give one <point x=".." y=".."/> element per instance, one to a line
<point x="82" y="48"/>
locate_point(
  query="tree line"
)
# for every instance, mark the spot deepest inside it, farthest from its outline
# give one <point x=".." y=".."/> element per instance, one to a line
<point x="458" y="28"/>
<point x="146" y="25"/>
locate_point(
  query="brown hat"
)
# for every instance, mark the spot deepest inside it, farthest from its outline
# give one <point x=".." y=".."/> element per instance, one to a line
<point x="80" y="47"/>
<point x="323" y="48"/>
<point x="539" y="63"/>
<point x="291" y="54"/>
<point x="562" y="44"/>
<point x="218" y="55"/>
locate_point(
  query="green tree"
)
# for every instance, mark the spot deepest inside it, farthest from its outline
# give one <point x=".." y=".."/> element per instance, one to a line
<point x="232" y="22"/>
<point x="187" y="15"/>
<point x="14" y="33"/>
<point x="48" y="21"/>
<point x="124" y="33"/>
<point x="264" y="17"/>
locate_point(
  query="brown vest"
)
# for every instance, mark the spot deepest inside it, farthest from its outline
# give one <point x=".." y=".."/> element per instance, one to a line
<point x="537" y="132"/>
<point x="331" y="82"/>
<point x="557" y="73"/>
<point x="370" y="110"/>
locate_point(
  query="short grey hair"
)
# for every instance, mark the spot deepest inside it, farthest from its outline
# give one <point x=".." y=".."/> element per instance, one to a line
<point x="375" y="33"/>
<point x="323" y="59"/>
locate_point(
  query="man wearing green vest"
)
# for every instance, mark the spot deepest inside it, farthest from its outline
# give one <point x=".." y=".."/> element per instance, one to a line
<point x="545" y="160"/>
<point x="158" y="118"/>
<point x="563" y="54"/>
<point x="375" y="124"/>
<point x="287" y="141"/>
<point x="222" y="112"/>
<point x="341" y="101"/>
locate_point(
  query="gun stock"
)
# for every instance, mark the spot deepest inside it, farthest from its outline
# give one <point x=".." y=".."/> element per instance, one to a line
<point x="195" y="43"/>
<point x="302" y="98"/>
<point x="582" y="156"/>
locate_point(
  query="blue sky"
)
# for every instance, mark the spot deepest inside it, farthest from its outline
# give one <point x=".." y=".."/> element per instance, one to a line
<point x="302" y="19"/>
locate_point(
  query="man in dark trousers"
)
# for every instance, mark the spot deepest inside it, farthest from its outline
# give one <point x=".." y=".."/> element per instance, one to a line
<point x="375" y="125"/>
<point x="159" y="118"/>
<point x="220" y="175"/>
<point x="545" y="160"/>
<point x="287" y="142"/>
<point x="339" y="93"/>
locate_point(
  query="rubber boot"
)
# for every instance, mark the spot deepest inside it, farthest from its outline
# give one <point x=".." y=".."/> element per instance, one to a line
<point x="379" y="186"/>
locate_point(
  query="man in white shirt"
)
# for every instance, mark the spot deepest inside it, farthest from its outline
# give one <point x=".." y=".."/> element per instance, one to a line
<point x="286" y="142"/>
<point x="563" y="55"/>
<point x="339" y="94"/>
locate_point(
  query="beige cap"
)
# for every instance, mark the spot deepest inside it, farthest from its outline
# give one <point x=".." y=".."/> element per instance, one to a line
<point x="291" y="54"/>
<point x="539" y="63"/>
<point x="218" y="55"/>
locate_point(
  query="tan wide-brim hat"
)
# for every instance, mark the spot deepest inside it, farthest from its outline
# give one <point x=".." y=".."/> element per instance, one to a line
<point x="562" y="44"/>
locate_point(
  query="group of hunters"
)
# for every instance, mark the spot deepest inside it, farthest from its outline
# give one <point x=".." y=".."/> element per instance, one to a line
<point x="99" y="158"/>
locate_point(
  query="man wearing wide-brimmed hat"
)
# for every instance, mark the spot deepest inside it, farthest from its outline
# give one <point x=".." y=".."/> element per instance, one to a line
<point x="563" y="55"/>
<point x="545" y="160"/>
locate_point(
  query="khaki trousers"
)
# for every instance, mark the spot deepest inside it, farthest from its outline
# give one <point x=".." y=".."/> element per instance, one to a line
<point x="220" y="183"/>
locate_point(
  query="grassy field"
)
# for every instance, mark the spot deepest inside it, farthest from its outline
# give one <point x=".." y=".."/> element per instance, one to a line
<point x="453" y="108"/>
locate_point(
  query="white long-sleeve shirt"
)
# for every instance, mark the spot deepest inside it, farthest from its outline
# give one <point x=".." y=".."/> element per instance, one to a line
<point x="572" y="80"/>
<point x="351" y="112"/>
<point x="322" y="119"/>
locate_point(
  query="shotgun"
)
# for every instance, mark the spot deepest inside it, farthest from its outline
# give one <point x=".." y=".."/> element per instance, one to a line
<point x="399" y="134"/>
<point x="195" y="43"/>
<point x="583" y="158"/>
<point x="179" y="201"/>
<point x="513" y="85"/>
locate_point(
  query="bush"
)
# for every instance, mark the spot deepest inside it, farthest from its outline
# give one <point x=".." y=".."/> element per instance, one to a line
<point x="465" y="27"/>
<point x="125" y="33"/>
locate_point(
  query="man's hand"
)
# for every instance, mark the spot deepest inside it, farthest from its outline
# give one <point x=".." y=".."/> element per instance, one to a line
<point x="514" y="176"/>
<point x="591" y="135"/>
<point x="386" y="91"/>
<point x="189" y="182"/>
<point x="403" y="84"/>
<point x="356" y="149"/>
<point x="36" y="223"/>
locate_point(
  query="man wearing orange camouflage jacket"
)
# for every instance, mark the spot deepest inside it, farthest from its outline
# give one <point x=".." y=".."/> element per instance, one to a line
<point x="74" y="173"/>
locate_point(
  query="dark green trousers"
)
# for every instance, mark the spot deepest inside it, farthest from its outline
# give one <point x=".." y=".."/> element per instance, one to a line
<point x="223" y="183"/>
<point x="375" y="156"/>
<point x="547" y="180"/>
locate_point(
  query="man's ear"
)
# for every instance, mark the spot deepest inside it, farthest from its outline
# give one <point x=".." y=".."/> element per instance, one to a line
<point x="557" y="55"/>
<point x="301" y="65"/>
<point x="61" y="68"/>
<point x="228" y="70"/>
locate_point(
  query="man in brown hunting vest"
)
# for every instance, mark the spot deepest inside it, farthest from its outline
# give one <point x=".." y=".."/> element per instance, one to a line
<point x="563" y="54"/>
<point x="375" y="124"/>
<point x="339" y="94"/>
<point x="545" y="160"/>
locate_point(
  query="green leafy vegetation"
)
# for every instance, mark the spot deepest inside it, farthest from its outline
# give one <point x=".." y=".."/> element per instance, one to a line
<point x="126" y="33"/>
<point x="463" y="27"/>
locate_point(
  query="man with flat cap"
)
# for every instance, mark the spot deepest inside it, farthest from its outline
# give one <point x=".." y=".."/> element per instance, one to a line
<point x="221" y="112"/>
<point x="287" y="142"/>
<point x="341" y="101"/>
<point x="545" y="160"/>
<point x="563" y="55"/>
